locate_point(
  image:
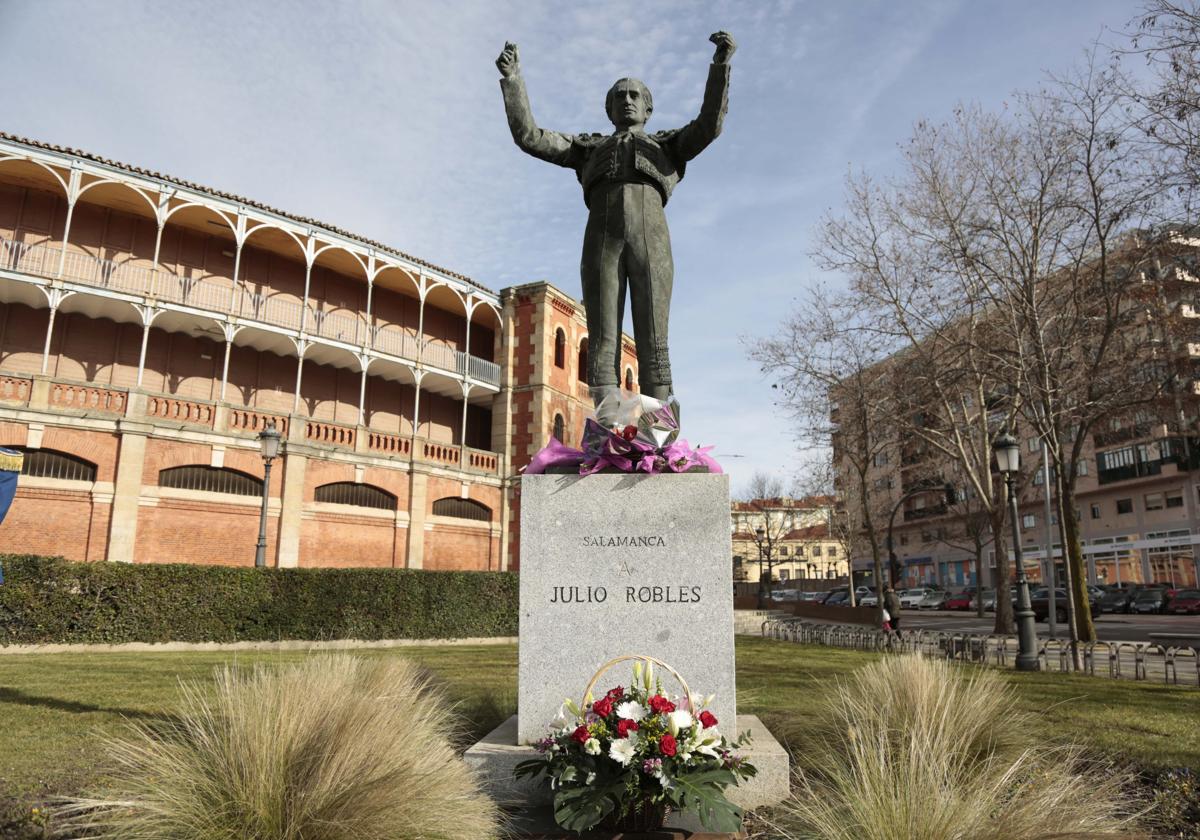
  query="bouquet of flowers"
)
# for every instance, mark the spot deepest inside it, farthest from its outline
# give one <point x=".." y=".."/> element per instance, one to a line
<point x="643" y="436"/>
<point x="625" y="759"/>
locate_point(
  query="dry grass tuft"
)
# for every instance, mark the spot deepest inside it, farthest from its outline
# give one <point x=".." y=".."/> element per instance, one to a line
<point x="330" y="748"/>
<point x="915" y="749"/>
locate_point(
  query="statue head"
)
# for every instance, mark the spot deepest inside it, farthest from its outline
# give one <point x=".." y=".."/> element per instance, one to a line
<point x="629" y="103"/>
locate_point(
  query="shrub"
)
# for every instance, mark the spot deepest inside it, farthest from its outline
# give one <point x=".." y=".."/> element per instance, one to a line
<point x="47" y="600"/>
<point x="331" y="748"/>
<point x="915" y="749"/>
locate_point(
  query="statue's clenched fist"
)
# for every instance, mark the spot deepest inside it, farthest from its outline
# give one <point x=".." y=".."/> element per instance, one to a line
<point x="725" y="47"/>
<point x="509" y="63"/>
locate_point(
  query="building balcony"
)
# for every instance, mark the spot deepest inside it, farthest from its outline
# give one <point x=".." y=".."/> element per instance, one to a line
<point x="80" y="399"/>
<point x="236" y="306"/>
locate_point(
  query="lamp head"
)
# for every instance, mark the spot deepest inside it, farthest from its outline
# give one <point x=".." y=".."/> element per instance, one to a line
<point x="268" y="440"/>
<point x="1007" y="452"/>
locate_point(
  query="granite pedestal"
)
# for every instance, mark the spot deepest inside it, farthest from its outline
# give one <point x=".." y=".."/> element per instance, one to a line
<point x="614" y="565"/>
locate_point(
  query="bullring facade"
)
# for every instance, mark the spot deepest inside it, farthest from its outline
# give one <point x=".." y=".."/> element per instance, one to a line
<point x="150" y="328"/>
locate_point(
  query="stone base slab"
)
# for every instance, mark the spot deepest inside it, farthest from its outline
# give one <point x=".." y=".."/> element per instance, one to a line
<point x="494" y="757"/>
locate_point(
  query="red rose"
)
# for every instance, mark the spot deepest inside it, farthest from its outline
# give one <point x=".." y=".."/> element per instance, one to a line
<point x="708" y="719"/>
<point x="667" y="745"/>
<point x="580" y="735"/>
<point x="629" y="432"/>
<point x="616" y="693"/>
<point x="602" y="707"/>
<point x="660" y="705"/>
<point x="624" y="727"/>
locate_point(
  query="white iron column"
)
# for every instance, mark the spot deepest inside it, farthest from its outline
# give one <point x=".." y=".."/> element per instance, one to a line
<point x="301" y="349"/>
<point x="418" y="375"/>
<point x="462" y="441"/>
<point x="73" y="186"/>
<point x="54" y="297"/>
<point x="364" y="362"/>
<point x="148" y="314"/>
<point x="309" y="258"/>
<point x="239" y="239"/>
<point x="229" y="331"/>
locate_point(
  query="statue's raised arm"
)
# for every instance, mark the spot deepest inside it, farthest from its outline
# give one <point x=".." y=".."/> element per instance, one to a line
<point x="694" y="137"/>
<point x="551" y="146"/>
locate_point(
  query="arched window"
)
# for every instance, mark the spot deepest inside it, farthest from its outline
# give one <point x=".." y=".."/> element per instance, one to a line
<point x="583" y="360"/>
<point x="462" y="509"/>
<point x="558" y="428"/>
<point x="560" y="348"/>
<point x="628" y="379"/>
<point x="211" y="480"/>
<point x="359" y="495"/>
<point x="50" y="463"/>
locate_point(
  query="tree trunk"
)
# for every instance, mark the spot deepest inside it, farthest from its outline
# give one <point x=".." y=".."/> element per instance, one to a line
<point x="1004" y="609"/>
<point x="1085" y="630"/>
<point x="979" y="610"/>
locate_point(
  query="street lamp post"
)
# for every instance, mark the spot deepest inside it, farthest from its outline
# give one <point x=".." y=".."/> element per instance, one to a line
<point x="268" y="439"/>
<point x="1008" y="461"/>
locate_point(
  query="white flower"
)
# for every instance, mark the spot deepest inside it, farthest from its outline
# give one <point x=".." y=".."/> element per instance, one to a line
<point x="591" y="746"/>
<point x="631" y="710"/>
<point x="705" y="742"/>
<point x="591" y="777"/>
<point x="679" y="719"/>
<point x="562" y="720"/>
<point x="621" y="751"/>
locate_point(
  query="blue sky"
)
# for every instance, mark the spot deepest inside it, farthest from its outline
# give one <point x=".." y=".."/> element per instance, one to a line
<point x="385" y="118"/>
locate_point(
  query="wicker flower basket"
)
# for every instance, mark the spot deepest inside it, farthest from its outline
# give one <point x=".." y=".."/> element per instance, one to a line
<point x="639" y="814"/>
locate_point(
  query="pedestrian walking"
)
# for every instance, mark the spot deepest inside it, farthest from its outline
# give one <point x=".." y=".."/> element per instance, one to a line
<point x="891" y="606"/>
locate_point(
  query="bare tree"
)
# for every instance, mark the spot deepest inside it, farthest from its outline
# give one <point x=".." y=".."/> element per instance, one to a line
<point x="1167" y="35"/>
<point x="827" y="364"/>
<point x="768" y="522"/>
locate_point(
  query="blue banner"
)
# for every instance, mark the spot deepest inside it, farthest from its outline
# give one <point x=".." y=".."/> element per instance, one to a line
<point x="10" y="469"/>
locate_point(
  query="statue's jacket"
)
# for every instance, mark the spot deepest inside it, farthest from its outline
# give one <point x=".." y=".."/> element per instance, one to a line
<point x="659" y="159"/>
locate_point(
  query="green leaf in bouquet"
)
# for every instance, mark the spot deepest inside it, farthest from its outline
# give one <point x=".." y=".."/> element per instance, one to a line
<point x="581" y="808"/>
<point x="704" y="793"/>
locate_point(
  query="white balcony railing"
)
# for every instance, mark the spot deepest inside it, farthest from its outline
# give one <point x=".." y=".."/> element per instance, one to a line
<point x="220" y="297"/>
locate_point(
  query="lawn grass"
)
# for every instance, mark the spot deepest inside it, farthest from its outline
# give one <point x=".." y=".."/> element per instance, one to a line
<point x="53" y="707"/>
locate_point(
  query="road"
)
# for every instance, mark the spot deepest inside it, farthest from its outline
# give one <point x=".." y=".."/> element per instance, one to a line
<point x="1109" y="627"/>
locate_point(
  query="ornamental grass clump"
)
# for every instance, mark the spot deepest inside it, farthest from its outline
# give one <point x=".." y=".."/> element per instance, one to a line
<point x="330" y="748"/>
<point x="916" y="749"/>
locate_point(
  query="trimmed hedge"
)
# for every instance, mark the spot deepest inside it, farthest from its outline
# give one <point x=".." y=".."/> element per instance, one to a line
<point x="47" y="600"/>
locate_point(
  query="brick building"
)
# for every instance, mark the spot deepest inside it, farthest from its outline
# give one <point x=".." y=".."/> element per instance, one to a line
<point x="150" y="328"/>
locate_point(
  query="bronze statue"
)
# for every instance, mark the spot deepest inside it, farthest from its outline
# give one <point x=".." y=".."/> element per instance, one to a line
<point x="627" y="178"/>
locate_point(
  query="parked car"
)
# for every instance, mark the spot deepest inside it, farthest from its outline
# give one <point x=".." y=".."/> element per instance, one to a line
<point x="869" y="600"/>
<point x="1039" y="600"/>
<point x="935" y="599"/>
<point x="959" y="600"/>
<point x="1185" y="602"/>
<point x="838" y="598"/>
<point x="1117" y="600"/>
<point x="989" y="600"/>
<point x="784" y="595"/>
<point x="810" y="597"/>
<point x="1150" y="600"/>
<point x="911" y="598"/>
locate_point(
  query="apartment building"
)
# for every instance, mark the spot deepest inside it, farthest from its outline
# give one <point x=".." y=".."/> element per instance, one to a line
<point x="1138" y="482"/>
<point x="152" y="328"/>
